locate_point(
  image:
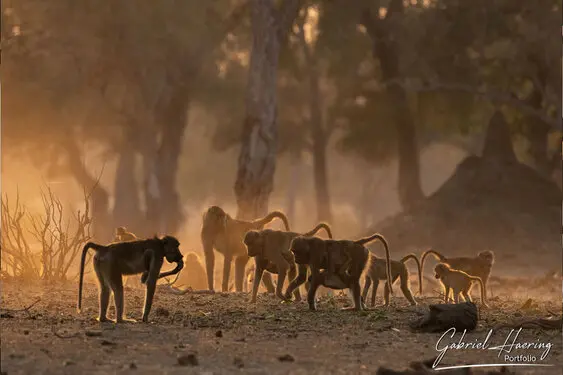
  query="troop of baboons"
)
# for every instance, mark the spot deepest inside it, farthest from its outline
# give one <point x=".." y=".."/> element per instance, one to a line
<point x="303" y="258"/>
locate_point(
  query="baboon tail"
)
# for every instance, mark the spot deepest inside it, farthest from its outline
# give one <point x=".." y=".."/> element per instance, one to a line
<point x="419" y="268"/>
<point x="271" y="216"/>
<point x="375" y="236"/>
<point x="89" y="245"/>
<point x="365" y="240"/>
<point x="436" y="254"/>
<point x="319" y="226"/>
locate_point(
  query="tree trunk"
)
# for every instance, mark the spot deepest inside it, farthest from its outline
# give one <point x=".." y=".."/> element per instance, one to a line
<point x="160" y="164"/>
<point x="537" y="134"/>
<point x="126" y="209"/>
<point x="174" y="126"/>
<point x="257" y="159"/>
<point x="384" y="49"/>
<point x="320" y="140"/>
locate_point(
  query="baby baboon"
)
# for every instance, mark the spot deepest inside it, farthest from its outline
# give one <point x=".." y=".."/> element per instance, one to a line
<point x="121" y="235"/>
<point x="376" y="272"/>
<point x="270" y="249"/>
<point x="312" y="251"/>
<point x="193" y="274"/>
<point x="129" y="258"/>
<point x="457" y="281"/>
<point x="479" y="266"/>
<point x="225" y="234"/>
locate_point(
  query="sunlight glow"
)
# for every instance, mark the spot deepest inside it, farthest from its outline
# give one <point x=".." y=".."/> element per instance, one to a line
<point x="311" y="25"/>
<point x="382" y="12"/>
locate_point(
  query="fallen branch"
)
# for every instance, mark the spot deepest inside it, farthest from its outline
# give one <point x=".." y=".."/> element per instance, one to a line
<point x="461" y="316"/>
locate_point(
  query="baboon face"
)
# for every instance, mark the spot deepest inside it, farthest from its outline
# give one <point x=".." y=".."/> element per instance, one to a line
<point x="487" y="256"/>
<point x="172" y="249"/>
<point x="120" y="230"/>
<point x="254" y="242"/>
<point x="440" y="270"/>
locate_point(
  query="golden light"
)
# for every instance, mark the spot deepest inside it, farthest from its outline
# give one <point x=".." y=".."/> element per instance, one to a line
<point x="311" y="25"/>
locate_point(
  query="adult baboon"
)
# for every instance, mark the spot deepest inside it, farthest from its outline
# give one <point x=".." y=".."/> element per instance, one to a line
<point x="225" y="234"/>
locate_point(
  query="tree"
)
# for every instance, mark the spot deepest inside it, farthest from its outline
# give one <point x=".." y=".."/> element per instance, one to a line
<point x="257" y="159"/>
<point x="319" y="133"/>
<point x="385" y="50"/>
<point x="124" y="79"/>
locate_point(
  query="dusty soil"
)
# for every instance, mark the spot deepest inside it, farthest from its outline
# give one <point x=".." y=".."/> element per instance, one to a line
<point x="227" y="335"/>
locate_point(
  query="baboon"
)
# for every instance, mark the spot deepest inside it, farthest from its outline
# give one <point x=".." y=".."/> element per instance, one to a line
<point x="479" y="266"/>
<point x="457" y="281"/>
<point x="193" y="274"/>
<point x="121" y="235"/>
<point x="376" y="271"/>
<point x="312" y="251"/>
<point x="113" y="261"/>
<point x="225" y="234"/>
<point x="270" y="250"/>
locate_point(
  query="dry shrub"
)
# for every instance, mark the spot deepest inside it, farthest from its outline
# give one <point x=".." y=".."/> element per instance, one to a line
<point x="42" y="246"/>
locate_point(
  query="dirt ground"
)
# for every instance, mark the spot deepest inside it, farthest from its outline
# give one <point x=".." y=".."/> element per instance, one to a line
<point x="224" y="334"/>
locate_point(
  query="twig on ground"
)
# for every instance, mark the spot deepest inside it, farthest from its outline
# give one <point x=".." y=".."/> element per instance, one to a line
<point x="25" y="309"/>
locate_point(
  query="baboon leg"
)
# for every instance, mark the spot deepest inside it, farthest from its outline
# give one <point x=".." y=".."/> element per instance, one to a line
<point x="291" y="275"/>
<point x="386" y="293"/>
<point x="104" y="292"/>
<point x="485" y="288"/>
<point x="268" y="283"/>
<point x="151" y="286"/>
<point x="374" y="291"/>
<point x="405" y="288"/>
<point x="209" y="261"/>
<point x="315" y="282"/>
<point x="446" y="294"/>
<point x="456" y="296"/>
<point x="386" y="290"/>
<point x="118" y="297"/>
<point x="104" y="303"/>
<point x="356" y="296"/>
<point x="295" y="283"/>
<point x="466" y="296"/>
<point x="367" y="284"/>
<point x="240" y="265"/>
<point x="282" y="271"/>
<point x="226" y="272"/>
<point x="258" y="272"/>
